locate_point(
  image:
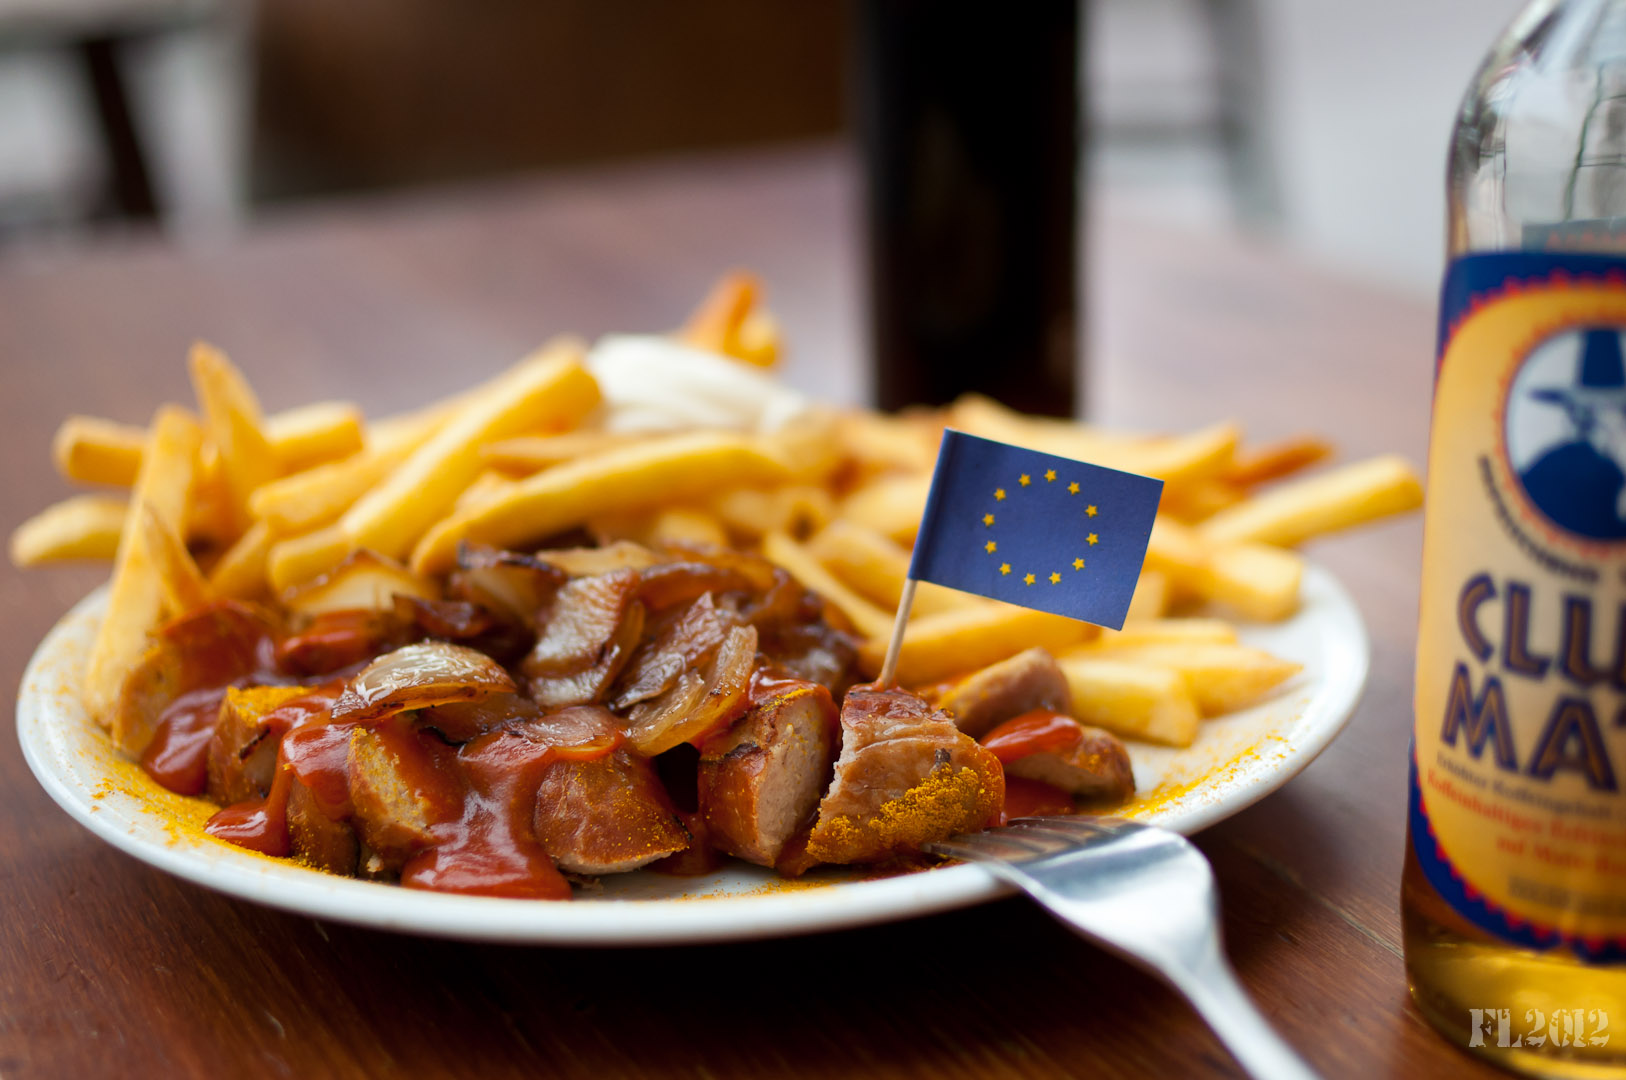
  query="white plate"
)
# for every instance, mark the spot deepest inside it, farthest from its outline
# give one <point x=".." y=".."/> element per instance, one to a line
<point x="1236" y="760"/>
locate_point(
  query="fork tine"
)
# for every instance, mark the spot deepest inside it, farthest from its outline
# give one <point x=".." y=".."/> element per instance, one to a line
<point x="1080" y="824"/>
<point x="1000" y="844"/>
<point x="1075" y="838"/>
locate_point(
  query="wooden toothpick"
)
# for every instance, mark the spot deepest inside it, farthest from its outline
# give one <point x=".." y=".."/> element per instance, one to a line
<point x="889" y="667"/>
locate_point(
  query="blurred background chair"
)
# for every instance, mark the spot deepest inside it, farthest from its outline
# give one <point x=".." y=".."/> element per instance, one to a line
<point x="111" y="109"/>
<point x="1318" y="122"/>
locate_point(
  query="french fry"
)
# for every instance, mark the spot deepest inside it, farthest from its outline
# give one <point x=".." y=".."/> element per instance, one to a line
<point x="797" y="509"/>
<point x="875" y="443"/>
<point x="891" y="505"/>
<point x="876" y="567"/>
<point x="1177" y="460"/>
<point x="759" y="340"/>
<point x="674" y="469"/>
<point x="89" y="450"/>
<point x="415" y="427"/>
<point x="548" y="390"/>
<point x="686" y="525"/>
<point x="1257" y="581"/>
<point x="316" y="497"/>
<point x="1166" y="631"/>
<point x="1275" y="460"/>
<point x="868" y="619"/>
<point x="1201" y="500"/>
<point x="1187" y="459"/>
<point x="938" y="647"/>
<point x="235" y="427"/>
<point x="806" y="446"/>
<point x="240" y="571"/>
<point x="526" y="454"/>
<point x="135" y="601"/>
<point x="80" y="527"/>
<point x="1151" y="598"/>
<point x="209" y="513"/>
<point x="1132" y="698"/>
<point x="1176" y="549"/>
<point x="488" y="485"/>
<point x="723" y="321"/>
<point x="1335" y="499"/>
<point x="1083" y="442"/>
<point x="182" y="582"/>
<point x="314" y="434"/>
<point x="298" y="559"/>
<point x="1221" y="677"/>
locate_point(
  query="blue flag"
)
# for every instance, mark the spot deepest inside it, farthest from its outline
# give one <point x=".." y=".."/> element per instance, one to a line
<point x="1035" y="529"/>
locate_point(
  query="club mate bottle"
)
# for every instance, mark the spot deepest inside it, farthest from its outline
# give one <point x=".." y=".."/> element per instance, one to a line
<point x="1514" y="892"/>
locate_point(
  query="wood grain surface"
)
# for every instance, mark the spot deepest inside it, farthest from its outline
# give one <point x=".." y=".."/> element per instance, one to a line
<point x="109" y="967"/>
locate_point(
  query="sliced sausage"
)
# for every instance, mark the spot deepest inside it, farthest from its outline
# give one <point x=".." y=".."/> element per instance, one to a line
<point x="1096" y="767"/>
<point x="402" y="780"/>
<point x="605" y="815"/>
<point x="316" y="839"/>
<point x="762" y="778"/>
<point x="1029" y="680"/>
<point x="242" y="756"/>
<point x="906" y="776"/>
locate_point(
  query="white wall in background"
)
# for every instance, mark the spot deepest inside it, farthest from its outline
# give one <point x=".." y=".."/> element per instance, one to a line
<point x="1360" y="102"/>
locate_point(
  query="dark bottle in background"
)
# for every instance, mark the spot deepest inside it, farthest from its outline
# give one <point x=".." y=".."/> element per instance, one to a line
<point x="968" y="117"/>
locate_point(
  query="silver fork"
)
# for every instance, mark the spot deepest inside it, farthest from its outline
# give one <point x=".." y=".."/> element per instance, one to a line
<point x="1146" y="894"/>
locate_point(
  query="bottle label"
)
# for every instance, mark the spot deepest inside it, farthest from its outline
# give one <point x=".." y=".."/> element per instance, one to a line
<point x="1517" y="815"/>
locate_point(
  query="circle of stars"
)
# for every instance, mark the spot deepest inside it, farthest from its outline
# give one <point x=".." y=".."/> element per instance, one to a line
<point x="1026" y="480"/>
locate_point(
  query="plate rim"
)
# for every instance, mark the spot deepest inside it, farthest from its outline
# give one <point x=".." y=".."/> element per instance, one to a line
<point x="635" y="922"/>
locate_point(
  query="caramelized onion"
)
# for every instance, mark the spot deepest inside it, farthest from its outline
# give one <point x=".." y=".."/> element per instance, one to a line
<point x="588" y="634"/>
<point x="682" y="645"/>
<point x="419" y="676"/>
<point x="587" y="561"/>
<point x="506" y="583"/>
<point x="579" y="733"/>
<point x="460" y="721"/>
<point x="670" y="584"/>
<point x="700" y="701"/>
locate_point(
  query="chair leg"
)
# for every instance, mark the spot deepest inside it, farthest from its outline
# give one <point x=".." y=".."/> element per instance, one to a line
<point x="130" y="184"/>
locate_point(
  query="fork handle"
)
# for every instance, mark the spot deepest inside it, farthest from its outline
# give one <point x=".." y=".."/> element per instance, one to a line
<point x="1213" y="989"/>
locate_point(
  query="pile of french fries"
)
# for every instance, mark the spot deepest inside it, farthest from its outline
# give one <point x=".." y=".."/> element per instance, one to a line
<point x="222" y="500"/>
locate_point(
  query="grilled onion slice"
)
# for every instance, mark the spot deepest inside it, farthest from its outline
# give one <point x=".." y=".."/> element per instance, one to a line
<point x="419" y="676"/>
<point x="700" y="702"/>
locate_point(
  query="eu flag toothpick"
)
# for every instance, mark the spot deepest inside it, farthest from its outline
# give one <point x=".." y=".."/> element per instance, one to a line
<point x="1035" y="529"/>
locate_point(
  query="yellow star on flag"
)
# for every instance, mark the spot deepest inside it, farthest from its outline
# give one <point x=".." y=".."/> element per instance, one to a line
<point x="1078" y="564"/>
<point x="1090" y="510"/>
<point x="987" y="519"/>
<point x="1004" y="568"/>
<point x="1028" y="580"/>
<point x="1055" y="578"/>
<point x="1025" y="480"/>
<point x="1050" y="474"/>
<point x="1093" y="539"/>
<point x="990" y="547"/>
<point x="999" y="493"/>
<point x="1072" y="489"/>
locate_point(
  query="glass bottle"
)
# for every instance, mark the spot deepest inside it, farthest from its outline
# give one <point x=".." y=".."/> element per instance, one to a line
<point x="1514" y="889"/>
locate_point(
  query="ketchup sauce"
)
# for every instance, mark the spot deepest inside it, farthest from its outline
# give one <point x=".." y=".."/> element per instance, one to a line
<point x="1035" y="732"/>
<point x="304" y="732"/>
<point x="1032" y="798"/>
<point x="178" y="755"/>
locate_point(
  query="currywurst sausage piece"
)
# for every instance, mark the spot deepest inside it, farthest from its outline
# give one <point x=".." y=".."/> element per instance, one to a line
<point x="762" y="779"/>
<point x="906" y="776"/>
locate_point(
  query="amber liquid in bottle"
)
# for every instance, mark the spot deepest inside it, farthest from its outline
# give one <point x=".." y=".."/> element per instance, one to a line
<point x="1538" y="165"/>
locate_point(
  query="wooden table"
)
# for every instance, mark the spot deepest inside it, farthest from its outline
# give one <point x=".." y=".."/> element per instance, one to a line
<point x="106" y="965"/>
